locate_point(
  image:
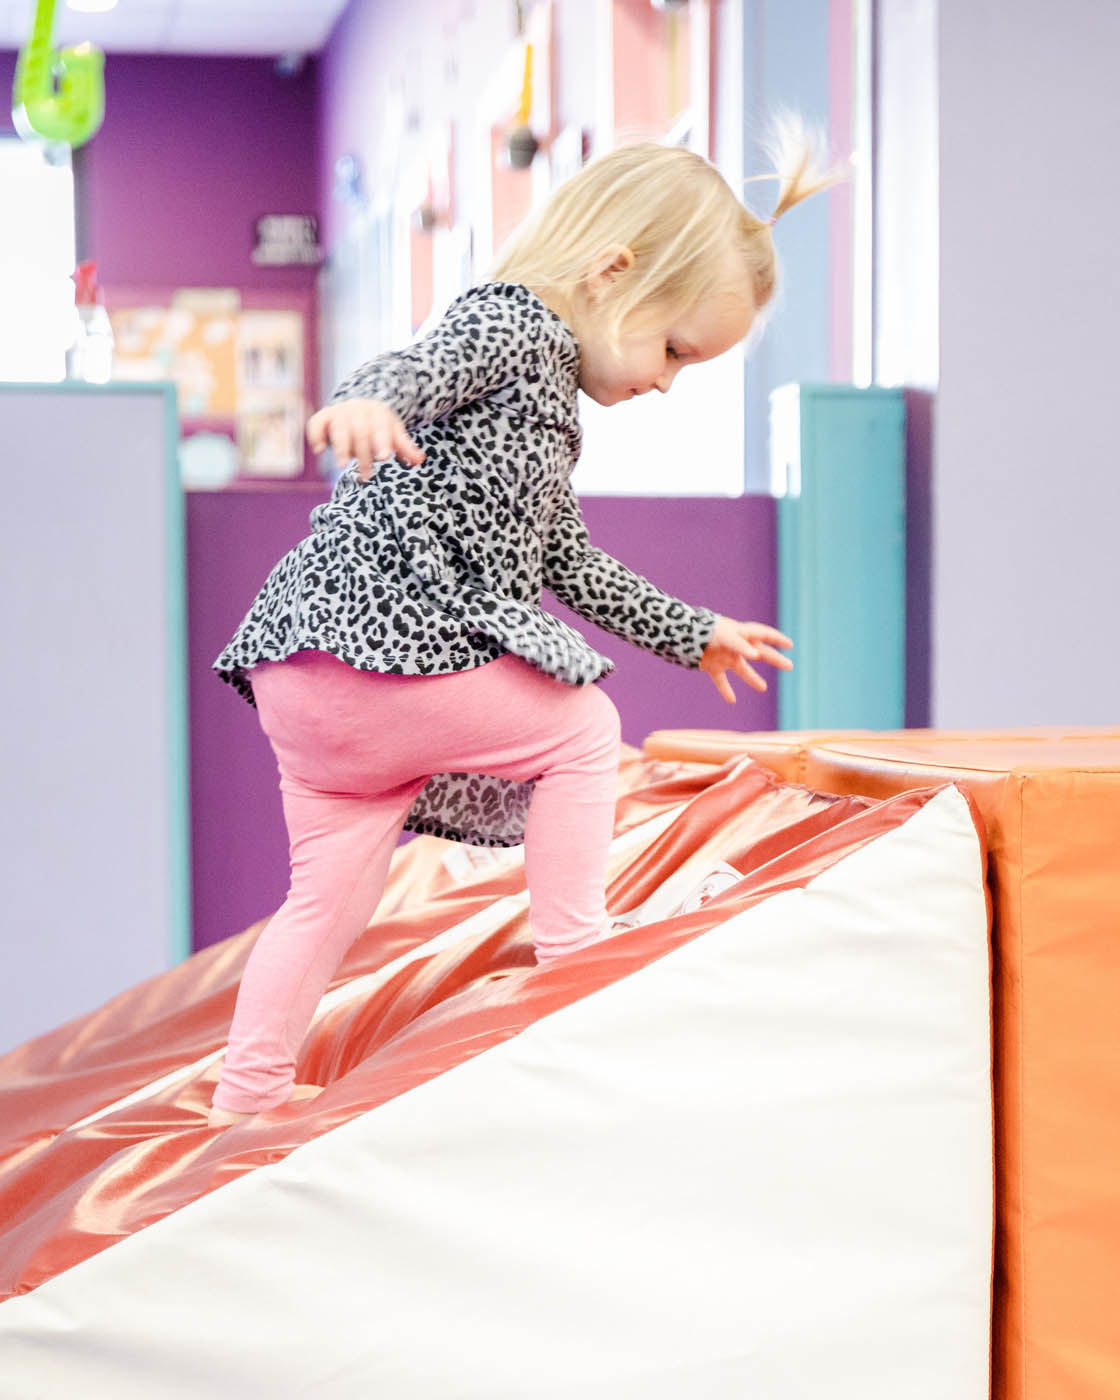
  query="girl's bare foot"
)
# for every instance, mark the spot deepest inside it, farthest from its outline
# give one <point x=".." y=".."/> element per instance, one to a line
<point x="224" y="1117"/>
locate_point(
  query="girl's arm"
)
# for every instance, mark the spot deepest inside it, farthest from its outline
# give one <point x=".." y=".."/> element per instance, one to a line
<point x="488" y="337"/>
<point x="604" y="591"/>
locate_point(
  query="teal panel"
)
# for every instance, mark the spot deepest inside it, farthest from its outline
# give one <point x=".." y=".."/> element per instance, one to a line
<point x="178" y="756"/>
<point x="838" y="465"/>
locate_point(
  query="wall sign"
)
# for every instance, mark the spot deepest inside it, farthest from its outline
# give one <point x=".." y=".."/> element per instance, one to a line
<point x="238" y="371"/>
<point x="281" y="240"/>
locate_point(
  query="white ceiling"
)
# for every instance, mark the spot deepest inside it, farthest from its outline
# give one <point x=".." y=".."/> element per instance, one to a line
<point x="184" y="26"/>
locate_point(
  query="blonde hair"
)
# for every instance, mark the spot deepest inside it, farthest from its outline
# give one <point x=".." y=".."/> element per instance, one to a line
<point x="674" y="211"/>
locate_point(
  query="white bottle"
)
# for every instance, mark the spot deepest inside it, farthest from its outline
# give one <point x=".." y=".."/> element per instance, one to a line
<point x="90" y="357"/>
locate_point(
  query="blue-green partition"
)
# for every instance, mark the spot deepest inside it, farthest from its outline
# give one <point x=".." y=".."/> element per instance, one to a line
<point x="838" y="467"/>
<point x="93" y="740"/>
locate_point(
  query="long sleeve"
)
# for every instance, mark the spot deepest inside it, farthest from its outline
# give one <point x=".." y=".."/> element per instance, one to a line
<point x="604" y="591"/>
<point x="486" y="340"/>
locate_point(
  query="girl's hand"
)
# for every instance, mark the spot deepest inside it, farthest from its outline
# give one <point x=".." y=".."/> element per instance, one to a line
<point x="362" y="430"/>
<point x="734" y="645"/>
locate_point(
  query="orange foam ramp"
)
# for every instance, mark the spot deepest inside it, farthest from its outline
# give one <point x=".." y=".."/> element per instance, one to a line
<point x="1050" y="800"/>
<point x="741" y="1148"/>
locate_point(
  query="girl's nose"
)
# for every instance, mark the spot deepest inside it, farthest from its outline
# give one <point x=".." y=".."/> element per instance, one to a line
<point x="664" y="381"/>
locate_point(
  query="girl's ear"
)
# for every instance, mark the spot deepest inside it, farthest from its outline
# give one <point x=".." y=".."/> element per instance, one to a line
<point x="611" y="264"/>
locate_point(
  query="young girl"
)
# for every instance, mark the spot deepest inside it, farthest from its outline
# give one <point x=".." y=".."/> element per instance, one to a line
<point x="402" y="666"/>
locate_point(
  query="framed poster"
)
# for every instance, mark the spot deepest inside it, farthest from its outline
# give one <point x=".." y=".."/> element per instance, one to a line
<point x="269" y="387"/>
<point x="243" y="366"/>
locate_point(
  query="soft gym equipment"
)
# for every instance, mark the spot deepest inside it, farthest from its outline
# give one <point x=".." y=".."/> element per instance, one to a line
<point x="1049" y="799"/>
<point x="742" y="1147"/>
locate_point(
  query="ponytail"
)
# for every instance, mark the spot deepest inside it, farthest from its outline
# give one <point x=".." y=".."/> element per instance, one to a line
<point x="797" y="155"/>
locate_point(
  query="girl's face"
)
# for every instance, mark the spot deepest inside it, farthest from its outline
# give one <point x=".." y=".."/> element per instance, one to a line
<point x="653" y="354"/>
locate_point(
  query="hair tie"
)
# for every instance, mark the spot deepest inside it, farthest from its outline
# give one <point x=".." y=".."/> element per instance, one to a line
<point x="773" y="219"/>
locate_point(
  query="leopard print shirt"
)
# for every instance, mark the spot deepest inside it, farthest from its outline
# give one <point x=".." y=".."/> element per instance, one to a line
<point x="437" y="568"/>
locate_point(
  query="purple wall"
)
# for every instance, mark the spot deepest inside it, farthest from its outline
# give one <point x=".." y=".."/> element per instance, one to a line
<point x="238" y="844"/>
<point x="718" y="553"/>
<point x="191" y="151"/>
<point x="7" y="77"/>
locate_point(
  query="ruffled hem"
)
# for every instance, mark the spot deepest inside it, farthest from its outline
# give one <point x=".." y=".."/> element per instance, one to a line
<point x="452" y="805"/>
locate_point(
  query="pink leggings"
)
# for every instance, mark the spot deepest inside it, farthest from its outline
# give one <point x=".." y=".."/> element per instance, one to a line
<point x="354" y="749"/>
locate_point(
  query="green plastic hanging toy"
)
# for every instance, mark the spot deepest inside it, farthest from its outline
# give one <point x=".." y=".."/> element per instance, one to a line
<point x="57" y="96"/>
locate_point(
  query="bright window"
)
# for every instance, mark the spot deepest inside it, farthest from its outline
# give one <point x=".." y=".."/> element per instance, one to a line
<point x="688" y="442"/>
<point x="36" y="259"/>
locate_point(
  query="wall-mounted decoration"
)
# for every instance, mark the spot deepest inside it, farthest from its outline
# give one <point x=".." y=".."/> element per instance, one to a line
<point x="57" y="95"/>
<point x="269" y="358"/>
<point x="238" y="370"/>
<point x="347" y="187"/>
<point x="522" y="145"/>
<point x="285" y="240"/>
<point x="191" y="344"/>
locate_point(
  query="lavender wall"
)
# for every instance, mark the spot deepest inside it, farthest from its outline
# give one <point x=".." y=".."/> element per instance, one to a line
<point x="906" y="290"/>
<point x="1026" y="491"/>
<point x="997" y="283"/>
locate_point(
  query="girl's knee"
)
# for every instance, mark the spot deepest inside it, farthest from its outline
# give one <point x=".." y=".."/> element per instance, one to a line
<point x="601" y="718"/>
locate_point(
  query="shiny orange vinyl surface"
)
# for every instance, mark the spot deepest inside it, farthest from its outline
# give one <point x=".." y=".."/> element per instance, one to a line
<point x="1050" y="801"/>
<point x="181" y="1015"/>
<point x="83" y="1166"/>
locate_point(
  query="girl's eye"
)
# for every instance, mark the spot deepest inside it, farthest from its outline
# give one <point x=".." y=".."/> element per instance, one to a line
<point x="671" y="353"/>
